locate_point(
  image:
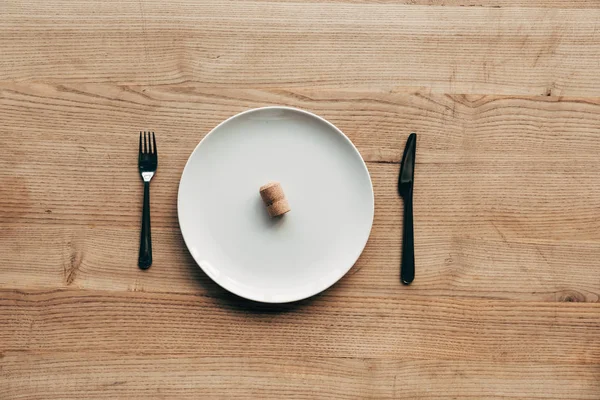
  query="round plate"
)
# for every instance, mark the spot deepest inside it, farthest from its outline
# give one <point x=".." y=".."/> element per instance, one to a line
<point x="226" y="226"/>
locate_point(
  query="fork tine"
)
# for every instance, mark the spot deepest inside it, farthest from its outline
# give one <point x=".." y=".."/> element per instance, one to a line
<point x="140" y="142"/>
<point x="145" y="144"/>
<point x="154" y="143"/>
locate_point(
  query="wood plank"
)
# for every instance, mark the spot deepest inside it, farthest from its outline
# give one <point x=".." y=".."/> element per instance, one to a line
<point x="452" y="128"/>
<point x="490" y="197"/>
<point x="564" y="4"/>
<point x="408" y="327"/>
<point x="107" y="376"/>
<point x="23" y="7"/>
<point x="105" y="259"/>
<point x="464" y="247"/>
<point x="254" y="44"/>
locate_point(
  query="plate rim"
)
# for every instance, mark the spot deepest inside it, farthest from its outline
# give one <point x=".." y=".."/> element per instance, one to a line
<point x="309" y="293"/>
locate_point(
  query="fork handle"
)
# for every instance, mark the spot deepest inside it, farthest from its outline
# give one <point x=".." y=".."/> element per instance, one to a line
<point x="145" y="259"/>
<point x="407" y="272"/>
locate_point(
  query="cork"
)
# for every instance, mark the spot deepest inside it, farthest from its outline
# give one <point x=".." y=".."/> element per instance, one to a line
<point x="278" y="208"/>
<point x="274" y="198"/>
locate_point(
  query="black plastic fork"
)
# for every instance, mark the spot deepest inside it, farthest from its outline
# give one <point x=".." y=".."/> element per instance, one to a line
<point x="147" y="163"/>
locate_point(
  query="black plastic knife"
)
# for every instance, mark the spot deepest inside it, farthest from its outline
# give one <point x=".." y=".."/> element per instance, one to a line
<point x="405" y="189"/>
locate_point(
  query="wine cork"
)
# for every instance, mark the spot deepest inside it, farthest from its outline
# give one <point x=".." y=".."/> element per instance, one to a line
<point x="274" y="198"/>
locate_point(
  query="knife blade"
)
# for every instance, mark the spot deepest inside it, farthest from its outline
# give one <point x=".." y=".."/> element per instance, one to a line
<point x="405" y="189"/>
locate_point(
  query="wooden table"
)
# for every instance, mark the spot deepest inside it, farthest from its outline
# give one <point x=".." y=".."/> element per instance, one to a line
<point x="505" y="96"/>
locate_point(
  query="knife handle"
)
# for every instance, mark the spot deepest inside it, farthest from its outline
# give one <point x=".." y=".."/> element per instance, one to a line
<point x="407" y="272"/>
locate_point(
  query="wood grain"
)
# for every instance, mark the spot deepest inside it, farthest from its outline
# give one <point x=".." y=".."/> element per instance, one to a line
<point x="103" y="376"/>
<point x="105" y="344"/>
<point x="453" y="128"/>
<point x="408" y="327"/>
<point x="585" y="4"/>
<point x="505" y="97"/>
<point x="259" y="44"/>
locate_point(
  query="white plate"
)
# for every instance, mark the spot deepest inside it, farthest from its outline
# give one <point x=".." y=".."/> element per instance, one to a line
<point x="225" y="224"/>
